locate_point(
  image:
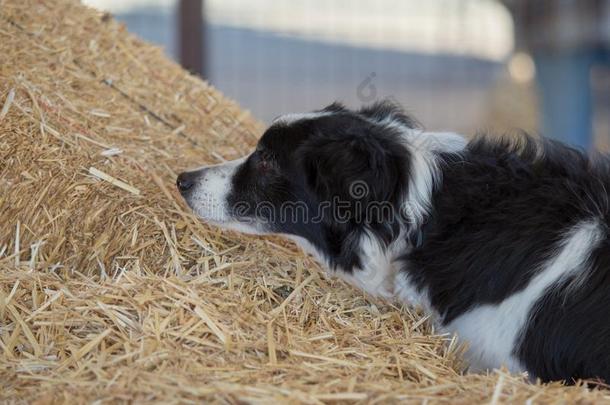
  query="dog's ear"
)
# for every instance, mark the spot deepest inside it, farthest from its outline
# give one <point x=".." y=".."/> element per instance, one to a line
<point x="354" y="168"/>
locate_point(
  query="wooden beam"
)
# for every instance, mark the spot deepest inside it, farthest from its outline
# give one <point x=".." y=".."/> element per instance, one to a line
<point x="191" y="36"/>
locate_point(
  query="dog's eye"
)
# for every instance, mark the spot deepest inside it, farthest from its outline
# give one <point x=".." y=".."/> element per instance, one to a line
<point x="264" y="161"/>
<point x="264" y="165"/>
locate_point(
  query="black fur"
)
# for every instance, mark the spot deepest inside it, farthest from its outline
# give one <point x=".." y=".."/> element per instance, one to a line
<point x="387" y="110"/>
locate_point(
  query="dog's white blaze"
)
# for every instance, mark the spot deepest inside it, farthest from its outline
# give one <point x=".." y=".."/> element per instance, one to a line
<point x="209" y="197"/>
<point x="424" y="172"/>
<point x="492" y="331"/>
<point x="294" y="117"/>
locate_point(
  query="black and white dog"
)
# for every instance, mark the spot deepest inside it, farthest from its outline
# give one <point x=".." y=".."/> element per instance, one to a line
<point x="504" y="242"/>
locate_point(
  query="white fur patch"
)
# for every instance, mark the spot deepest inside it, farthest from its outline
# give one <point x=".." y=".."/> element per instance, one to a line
<point x="309" y="249"/>
<point x="209" y="196"/>
<point x="290" y="118"/>
<point x="378" y="272"/>
<point x="424" y="172"/>
<point x="492" y="331"/>
<point x="408" y="293"/>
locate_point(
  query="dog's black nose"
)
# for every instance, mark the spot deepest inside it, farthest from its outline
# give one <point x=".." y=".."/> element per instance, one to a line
<point x="185" y="181"/>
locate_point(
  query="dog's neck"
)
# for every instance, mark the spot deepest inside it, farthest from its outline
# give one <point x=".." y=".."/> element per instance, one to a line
<point x="379" y="261"/>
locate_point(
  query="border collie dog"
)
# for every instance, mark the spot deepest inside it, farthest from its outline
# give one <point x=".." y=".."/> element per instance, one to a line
<point x="503" y="241"/>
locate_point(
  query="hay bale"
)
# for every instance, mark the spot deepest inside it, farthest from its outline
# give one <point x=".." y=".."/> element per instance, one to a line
<point x="111" y="290"/>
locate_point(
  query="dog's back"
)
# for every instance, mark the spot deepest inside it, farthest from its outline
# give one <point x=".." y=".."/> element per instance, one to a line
<point x="515" y="257"/>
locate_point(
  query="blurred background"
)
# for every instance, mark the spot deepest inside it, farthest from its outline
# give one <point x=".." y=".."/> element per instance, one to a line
<point x="462" y="65"/>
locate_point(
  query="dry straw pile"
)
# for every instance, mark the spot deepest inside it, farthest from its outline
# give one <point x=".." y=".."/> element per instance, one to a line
<point x="111" y="290"/>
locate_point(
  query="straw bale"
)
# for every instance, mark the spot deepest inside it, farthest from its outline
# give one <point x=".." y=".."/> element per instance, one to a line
<point x="110" y="289"/>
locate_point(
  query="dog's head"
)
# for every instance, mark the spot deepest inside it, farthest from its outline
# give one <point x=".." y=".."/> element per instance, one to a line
<point x="326" y="177"/>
